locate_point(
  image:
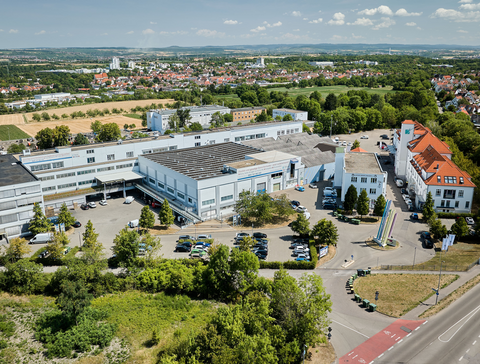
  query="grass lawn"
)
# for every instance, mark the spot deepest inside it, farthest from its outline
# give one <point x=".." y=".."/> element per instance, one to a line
<point x="399" y="293"/>
<point x="325" y="90"/>
<point x="10" y="132"/>
<point x="138" y="314"/>
<point x="135" y="116"/>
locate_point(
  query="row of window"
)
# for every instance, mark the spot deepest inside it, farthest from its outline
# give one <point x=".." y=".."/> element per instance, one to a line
<point x="250" y="137"/>
<point x="128" y="154"/>
<point x="364" y="179"/>
<point x="446" y="203"/>
<point x="46" y="166"/>
<point x="373" y="191"/>
<point x="67" y="185"/>
<point x="448" y="193"/>
<point x="288" y="131"/>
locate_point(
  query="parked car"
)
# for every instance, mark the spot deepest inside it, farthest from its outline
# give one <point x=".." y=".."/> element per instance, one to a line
<point x="259" y="235"/>
<point x="240" y="236"/>
<point x="156" y="204"/>
<point x="133" y="224"/>
<point x="129" y="199"/>
<point x="303" y="256"/>
<point x="301" y="209"/>
<point x="92" y="205"/>
<point x="260" y="255"/>
<point x="384" y="136"/>
<point x="414" y="216"/>
<point x="77" y="224"/>
<point x="364" y="137"/>
<point x="425" y="235"/>
<point x="203" y="237"/>
<point x="186" y="237"/>
<point x="300" y="188"/>
<point x="84" y="206"/>
<point x="329" y="206"/>
<point x="295" y="203"/>
<point x="428" y="244"/>
<point x="329" y="200"/>
<point x="186" y="243"/>
<point x="470" y="220"/>
<point x="399" y="183"/>
<point x="299" y="250"/>
<point x="312" y="185"/>
<point x="330" y="193"/>
<point x="103" y="202"/>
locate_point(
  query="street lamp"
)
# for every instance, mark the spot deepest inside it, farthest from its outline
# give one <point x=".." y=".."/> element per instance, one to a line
<point x="331" y="122"/>
<point x="439" y="277"/>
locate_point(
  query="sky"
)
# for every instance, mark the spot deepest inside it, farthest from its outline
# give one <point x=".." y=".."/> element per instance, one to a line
<point x="154" y="23"/>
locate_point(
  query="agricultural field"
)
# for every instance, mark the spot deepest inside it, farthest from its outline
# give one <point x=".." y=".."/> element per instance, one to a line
<point x="325" y="90"/>
<point x="11" y="132"/>
<point x="12" y="119"/>
<point x="79" y="125"/>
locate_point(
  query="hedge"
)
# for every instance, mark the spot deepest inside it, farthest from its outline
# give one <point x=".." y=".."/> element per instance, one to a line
<point x="453" y="215"/>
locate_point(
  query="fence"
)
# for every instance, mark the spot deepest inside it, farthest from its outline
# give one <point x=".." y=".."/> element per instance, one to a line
<point x="430" y="267"/>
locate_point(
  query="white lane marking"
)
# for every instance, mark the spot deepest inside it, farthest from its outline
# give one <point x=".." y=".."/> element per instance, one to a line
<point x="381" y="355"/>
<point x="371" y="362"/>
<point x="409" y="334"/>
<point x="474" y="342"/>
<point x="351" y="329"/>
<point x="467" y="351"/>
<point x="390" y="348"/>
<point x="354" y="356"/>
<point x="400" y="341"/>
<point x="417" y="328"/>
<point x="425" y="322"/>
<point x="350" y="353"/>
<point x="460" y="358"/>
<point x="468" y="316"/>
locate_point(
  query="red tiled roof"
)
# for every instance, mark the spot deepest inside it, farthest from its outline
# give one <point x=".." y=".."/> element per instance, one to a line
<point x="358" y="150"/>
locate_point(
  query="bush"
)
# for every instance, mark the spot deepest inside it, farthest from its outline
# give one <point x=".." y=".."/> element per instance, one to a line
<point x="292" y="264"/>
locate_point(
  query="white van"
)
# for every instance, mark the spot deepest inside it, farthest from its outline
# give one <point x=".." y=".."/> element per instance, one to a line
<point x="133" y="224"/>
<point x="42" y="238"/>
<point x="399" y="183"/>
<point x="129" y="199"/>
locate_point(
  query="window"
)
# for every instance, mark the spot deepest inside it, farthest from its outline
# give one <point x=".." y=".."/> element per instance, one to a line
<point x="89" y="182"/>
<point x="173" y="147"/>
<point x="88" y="171"/>
<point x="46" y="178"/>
<point x="467" y="204"/>
<point x="226" y="198"/>
<point x="449" y="194"/>
<point x="161" y="185"/>
<point x="226" y="140"/>
<point x="170" y="189"/>
<point x="128" y="165"/>
<point x="460" y="193"/>
<point x="197" y="144"/>
<point x="181" y="195"/>
<point x="363" y="180"/>
<point x="354" y="179"/>
<point x="362" y="189"/>
<point x="439" y="179"/>
<point x="129" y="154"/>
<point x="135" y="164"/>
<point x="450" y="180"/>
<point x="457" y="203"/>
<point x="212" y="141"/>
<point x="259" y="136"/>
<point x="110" y="157"/>
<point x="373" y="191"/>
<point x="438" y="193"/>
<point x="208" y="202"/>
<point x="373" y="180"/>
<point x="197" y="136"/>
<point x="66" y="185"/>
<point x="276" y="175"/>
<point x="442" y="204"/>
<point x="151" y="180"/>
<point x="297" y="130"/>
<point x="91" y="160"/>
<point x="190" y="200"/>
<point x="90" y="151"/>
<point x="57" y="165"/>
<point x="461" y="180"/>
<point x="51" y="188"/>
<point x="65" y="175"/>
<point x="105" y="169"/>
<point x="41" y="167"/>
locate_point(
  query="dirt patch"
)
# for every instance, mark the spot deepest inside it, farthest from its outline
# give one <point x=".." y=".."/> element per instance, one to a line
<point x="321" y="354"/>
<point x="12" y="119"/>
<point x="332" y="251"/>
<point x="161" y="230"/>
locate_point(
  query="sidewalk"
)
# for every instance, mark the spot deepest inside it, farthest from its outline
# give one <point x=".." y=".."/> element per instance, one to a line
<point x="464" y="278"/>
<point x="207" y="227"/>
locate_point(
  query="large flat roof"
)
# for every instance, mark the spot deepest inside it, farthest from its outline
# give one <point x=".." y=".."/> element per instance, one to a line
<point x="202" y="162"/>
<point x="362" y="163"/>
<point x="13" y="172"/>
<point x="192" y="109"/>
<point x="119" y="177"/>
<point x="273" y="156"/>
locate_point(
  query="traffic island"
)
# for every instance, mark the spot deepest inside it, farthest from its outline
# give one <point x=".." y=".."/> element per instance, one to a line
<point x="371" y="244"/>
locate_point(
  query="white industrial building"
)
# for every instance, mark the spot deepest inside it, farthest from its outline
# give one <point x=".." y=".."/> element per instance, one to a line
<point x="158" y="120"/>
<point x="19" y="190"/>
<point x="424" y="162"/>
<point x="321" y="64"/>
<point x="115" y="65"/>
<point x="296" y="115"/>
<point x="111" y="167"/>
<point x="207" y="181"/>
<point x="361" y="169"/>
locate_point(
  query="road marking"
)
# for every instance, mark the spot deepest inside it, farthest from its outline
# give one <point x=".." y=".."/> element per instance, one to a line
<point x="467" y="351"/>
<point x="417" y="328"/>
<point x="425" y="322"/>
<point x="409" y="334"/>
<point x="400" y="341"/>
<point x="381" y="355"/>
<point x="460" y="358"/>
<point x="351" y="329"/>
<point x="469" y="315"/>
<point x="371" y="362"/>
<point x="391" y="347"/>
<point x="474" y="342"/>
<point x="354" y="356"/>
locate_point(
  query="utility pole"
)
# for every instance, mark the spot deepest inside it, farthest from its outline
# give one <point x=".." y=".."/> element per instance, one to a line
<point x="439" y="278"/>
<point x="331" y="122"/>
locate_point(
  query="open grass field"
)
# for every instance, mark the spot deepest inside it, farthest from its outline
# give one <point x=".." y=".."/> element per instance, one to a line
<point x="399" y="293"/>
<point x="79" y="125"/>
<point x="325" y="90"/>
<point x="134" y="116"/>
<point x="11" y="132"/>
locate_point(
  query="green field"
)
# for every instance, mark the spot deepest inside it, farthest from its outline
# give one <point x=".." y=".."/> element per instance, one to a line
<point x="325" y="90"/>
<point x="10" y="132"/>
<point x="134" y="116"/>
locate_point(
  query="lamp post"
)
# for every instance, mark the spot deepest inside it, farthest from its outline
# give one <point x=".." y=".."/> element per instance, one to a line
<point x="414" y="254"/>
<point x="331" y="122"/>
<point x="439" y="278"/>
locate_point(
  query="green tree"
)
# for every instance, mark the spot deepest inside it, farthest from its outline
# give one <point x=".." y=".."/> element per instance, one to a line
<point x="45" y="116"/>
<point x="363" y="203"/>
<point x="45" y="138"/>
<point x="246" y="244"/>
<point x="196" y="126"/>
<point x="16" y="148"/>
<point x="350" y="198"/>
<point x="152" y="246"/>
<point x="330" y="102"/>
<point x="56" y="246"/>
<point x="36" y="117"/>
<point x="325" y="232"/>
<point x="437" y="229"/>
<point x="217" y="119"/>
<point x="165" y="215"/>
<point x="144" y="119"/>
<point x="60" y="135"/>
<point x="184" y="117"/>
<point x="287" y="117"/>
<point x="305" y="129"/>
<point x="147" y="218"/>
<point x="217" y="276"/>
<point x="64" y="116"/>
<point x="126" y="246"/>
<point x="356" y="144"/>
<point x="317" y="127"/>
<point x="380" y="205"/>
<point x="460" y="228"/>
<point x="109" y="132"/>
<point x="301" y="225"/>
<point x="22" y="277"/>
<point x="262" y="117"/>
<point x="65" y="217"/>
<point x="174" y="122"/>
<point x="96" y="126"/>
<point x="92" y="249"/>
<point x="73" y="299"/>
<point x="125" y="126"/>
<point x="16" y="249"/>
<point x="39" y="223"/>
<point x="282" y="206"/>
<point x="228" y="118"/>
<point x="243" y="267"/>
<point x="428" y="207"/>
<point x="80" y="139"/>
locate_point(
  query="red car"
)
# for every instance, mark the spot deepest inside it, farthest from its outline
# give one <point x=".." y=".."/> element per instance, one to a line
<point x="156" y="204"/>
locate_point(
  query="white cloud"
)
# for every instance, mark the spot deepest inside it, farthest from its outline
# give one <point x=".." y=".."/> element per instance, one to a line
<point x="130" y="32"/>
<point x="403" y="12"/>
<point x="296" y="30"/>
<point x="148" y="31"/>
<point x="386" y="22"/>
<point x="258" y="29"/>
<point x="210" y="33"/>
<point x="456" y="16"/>
<point x="462" y="31"/>
<point x="13" y="31"/>
<point x="305" y="18"/>
<point x="338" y="37"/>
<point x="362" y="21"/>
<point x="153" y="22"/>
<point x="247" y="36"/>
<point x="316" y="21"/>
<point x="231" y="22"/>
<point x="296" y="13"/>
<point x="465" y="1"/>
<point x="382" y="9"/>
<point x="40" y="32"/>
<point x="411" y="24"/>
<point x="105" y="34"/>
<point x="338" y="19"/>
<point x="277" y="24"/>
<point x="357" y="36"/>
<point x="470" y="6"/>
